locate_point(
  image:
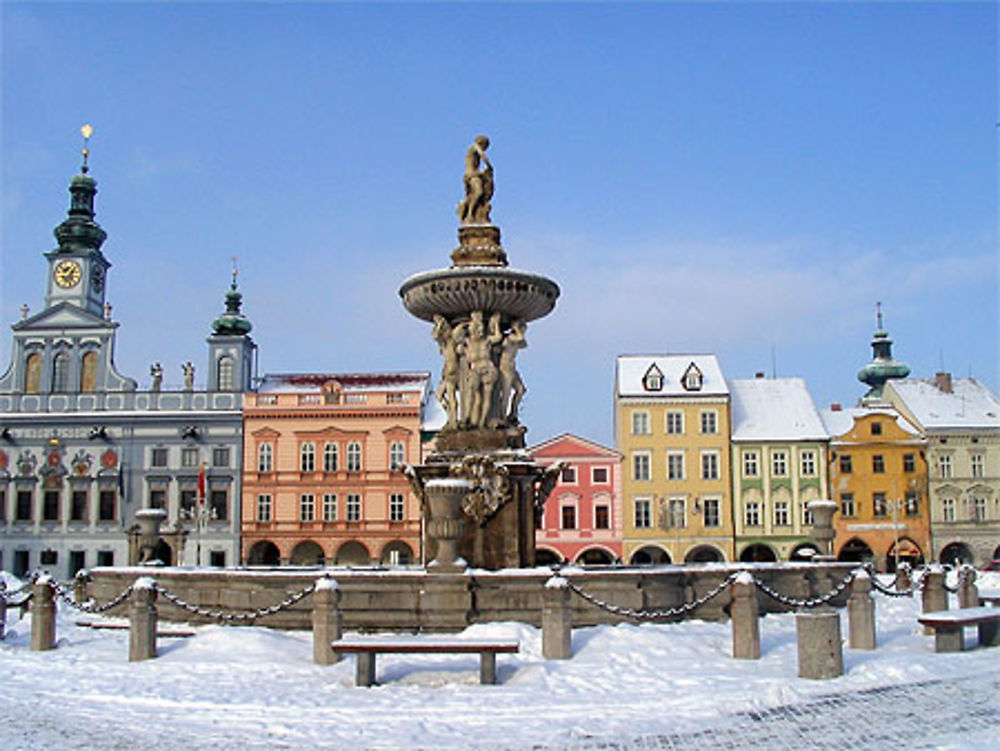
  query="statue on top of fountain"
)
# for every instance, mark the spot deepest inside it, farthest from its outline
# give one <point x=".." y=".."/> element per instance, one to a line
<point x="478" y="180"/>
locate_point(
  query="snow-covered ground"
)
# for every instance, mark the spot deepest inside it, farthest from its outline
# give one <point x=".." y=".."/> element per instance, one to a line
<point x="627" y="685"/>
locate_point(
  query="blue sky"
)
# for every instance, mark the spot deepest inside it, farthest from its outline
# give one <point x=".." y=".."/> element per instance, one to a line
<point x="746" y="179"/>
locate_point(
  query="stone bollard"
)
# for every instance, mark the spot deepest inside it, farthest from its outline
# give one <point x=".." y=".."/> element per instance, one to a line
<point x="142" y="620"/>
<point x="43" y="615"/>
<point x="903" y="580"/>
<point x="968" y="592"/>
<point x="327" y="621"/>
<point x="743" y="613"/>
<point x="933" y="595"/>
<point x="821" y="654"/>
<point x="557" y="624"/>
<point x="861" y="612"/>
<point x="80" y="582"/>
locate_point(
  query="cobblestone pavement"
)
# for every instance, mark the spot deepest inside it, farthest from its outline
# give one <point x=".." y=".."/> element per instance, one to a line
<point x="955" y="714"/>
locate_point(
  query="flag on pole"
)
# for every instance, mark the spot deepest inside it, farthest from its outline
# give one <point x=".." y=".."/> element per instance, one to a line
<point x="201" y="484"/>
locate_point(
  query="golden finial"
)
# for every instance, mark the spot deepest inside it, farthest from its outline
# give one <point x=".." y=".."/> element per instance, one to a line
<point x="236" y="270"/>
<point x="86" y="131"/>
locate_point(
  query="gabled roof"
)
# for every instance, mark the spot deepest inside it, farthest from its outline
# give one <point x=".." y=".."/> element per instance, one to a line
<point x="581" y="447"/>
<point x="969" y="405"/>
<point x="774" y="409"/>
<point x="631" y="369"/>
<point x="841" y="421"/>
<point x="64" y="315"/>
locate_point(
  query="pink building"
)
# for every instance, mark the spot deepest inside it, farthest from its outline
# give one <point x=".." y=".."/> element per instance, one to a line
<point x="582" y="522"/>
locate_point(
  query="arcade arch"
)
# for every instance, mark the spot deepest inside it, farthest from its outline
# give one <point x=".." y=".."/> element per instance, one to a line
<point x="307" y="553"/>
<point x="264" y="553"/>
<point x="650" y="555"/>
<point x="758" y="552"/>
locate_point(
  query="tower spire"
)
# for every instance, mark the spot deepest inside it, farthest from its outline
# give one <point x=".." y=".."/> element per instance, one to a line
<point x="79" y="232"/>
<point x="882" y="368"/>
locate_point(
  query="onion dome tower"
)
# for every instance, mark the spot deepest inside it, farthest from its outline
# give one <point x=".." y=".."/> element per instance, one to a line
<point x="232" y="353"/>
<point x="882" y="368"/>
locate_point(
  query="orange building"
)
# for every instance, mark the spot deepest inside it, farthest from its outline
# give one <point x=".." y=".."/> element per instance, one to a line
<point x="878" y="476"/>
<point x="323" y="457"/>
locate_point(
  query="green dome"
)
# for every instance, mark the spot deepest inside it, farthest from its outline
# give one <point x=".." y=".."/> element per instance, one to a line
<point x="232" y="322"/>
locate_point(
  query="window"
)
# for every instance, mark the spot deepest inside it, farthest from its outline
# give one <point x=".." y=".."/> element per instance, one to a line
<point x="909" y="463"/>
<point x="847" y="507"/>
<point x="20" y="563"/>
<point x="307" y="457"/>
<point x="675" y="465"/>
<point x="265" y="454"/>
<point x="781" y="515"/>
<point x="640" y="422"/>
<point x="307" y="507"/>
<point x="158" y="457"/>
<point x="912" y="504"/>
<point x="88" y="372"/>
<point x="60" y="372"/>
<point x="602" y="517"/>
<point x="220" y="456"/>
<point x="189" y="457"/>
<point x="750" y="466"/>
<point x="709" y="421"/>
<point x="107" y="500"/>
<point x="353" y="456"/>
<point x="876" y="428"/>
<point x="976" y="461"/>
<point x="225" y="373"/>
<point x="77" y="561"/>
<point x="353" y="507"/>
<point x="3" y="510"/>
<point x="25" y="501"/>
<point x="33" y="373"/>
<point x="807" y="461"/>
<point x="157" y="499"/>
<point x="50" y="506"/>
<point x="640" y="467"/>
<point x="568" y="517"/>
<point x="692" y="378"/>
<point x="599" y="475"/>
<point x="752" y="514"/>
<point x="979" y="509"/>
<point x="878" y="464"/>
<point x="568" y="476"/>
<point x="675" y="423"/>
<point x="105" y="558"/>
<point x="879" y="505"/>
<point x="642" y="515"/>
<point x="397" y="507"/>
<point x="218" y="504"/>
<point x="944" y="466"/>
<point x="779" y="464"/>
<point x="710" y="465"/>
<point x="948" y="509"/>
<point x="329" y="507"/>
<point x="711" y="512"/>
<point x="807" y="515"/>
<point x="48" y="558"/>
<point x="845" y="464"/>
<point x="331" y="457"/>
<point x="264" y="508"/>
<point x="217" y="558"/>
<point x="677" y="513"/>
<point x="188" y="500"/>
<point x="397" y="455"/>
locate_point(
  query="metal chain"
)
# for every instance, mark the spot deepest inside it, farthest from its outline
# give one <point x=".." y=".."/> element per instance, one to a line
<point x="811" y="603"/>
<point x="218" y="615"/>
<point x="90" y="606"/>
<point x="915" y="586"/>
<point x="650" y="615"/>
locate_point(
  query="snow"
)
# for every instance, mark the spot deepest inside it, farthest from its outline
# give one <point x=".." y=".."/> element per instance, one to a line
<point x="256" y="688"/>
<point x="840" y="422"/>
<point x="970" y="405"/>
<point x="774" y="409"/>
<point x="632" y="369"/>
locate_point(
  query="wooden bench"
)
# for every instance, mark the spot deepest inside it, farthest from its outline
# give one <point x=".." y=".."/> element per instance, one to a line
<point x="989" y="596"/>
<point x="366" y="648"/>
<point x="948" y="625"/>
<point x="126" y="627"/>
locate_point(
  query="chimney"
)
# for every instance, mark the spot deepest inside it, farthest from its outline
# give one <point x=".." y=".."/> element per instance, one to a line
<point x="836" y="407"/>
<point x="943" y="381"/>
<point x="759" y="374"/>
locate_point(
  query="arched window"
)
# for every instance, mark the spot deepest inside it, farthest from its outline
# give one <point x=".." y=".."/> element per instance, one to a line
<point x="353" y="456"/>
<point x="88" y="372"/>
<point x="225" y="373"/>
<point x="307" y="457"/>
<point x="60" y="372"/>
<point x="264" y="457"/>
<point x="397" y="455"/>
<point x="330" y="457"/>
<point x="33" y="374"/>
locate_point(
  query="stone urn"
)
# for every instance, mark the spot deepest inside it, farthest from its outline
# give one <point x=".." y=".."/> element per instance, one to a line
<point x="822" y="513"/>
<point x="444" y="501"/>
<point x="149" y="520"/>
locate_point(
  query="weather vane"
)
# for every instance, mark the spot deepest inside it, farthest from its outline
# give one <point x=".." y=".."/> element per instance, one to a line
<point x="236" y="270"/>
<point x="86" y="131"/>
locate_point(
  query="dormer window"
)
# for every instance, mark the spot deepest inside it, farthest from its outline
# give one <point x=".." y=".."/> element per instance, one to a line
<point x="653" y="380"/>
<point x="692" y="378"/>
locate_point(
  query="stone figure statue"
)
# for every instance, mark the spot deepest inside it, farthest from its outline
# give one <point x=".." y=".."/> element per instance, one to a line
<point x="188" y="369"/>
<point x="482" y="372"/>
<point x="448" y="389"/>
<point x="156" y="371"/>
<point x="511" y="386"/>
<point x="478" y="180"/>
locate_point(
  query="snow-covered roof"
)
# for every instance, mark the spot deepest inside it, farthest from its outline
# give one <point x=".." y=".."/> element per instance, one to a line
<point x="290" y="383"/>
<point x="774" y="409"/>
<point x="839" y="422"/>
<point x="632" y="374"/>
<point x="969" y="405"/>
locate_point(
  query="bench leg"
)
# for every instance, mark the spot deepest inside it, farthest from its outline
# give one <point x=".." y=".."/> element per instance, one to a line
<point x="487" y="668"/>
<point x="365" y="673"/>
<point x="989" y="634"/>
<point x="948" y="639"/>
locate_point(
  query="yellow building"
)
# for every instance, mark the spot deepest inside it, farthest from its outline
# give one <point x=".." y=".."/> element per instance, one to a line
<point x="672" y="427"/>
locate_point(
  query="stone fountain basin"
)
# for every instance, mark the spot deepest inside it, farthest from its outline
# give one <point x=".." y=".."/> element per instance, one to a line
<point x="457" y="291"/>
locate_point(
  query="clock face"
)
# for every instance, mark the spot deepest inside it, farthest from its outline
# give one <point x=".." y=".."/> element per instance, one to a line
<point x="97" y="278"/>
<point x="67" y="274"/>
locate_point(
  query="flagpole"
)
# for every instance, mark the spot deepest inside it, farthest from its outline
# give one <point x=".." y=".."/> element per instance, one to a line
<point x="200" y="513"/>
